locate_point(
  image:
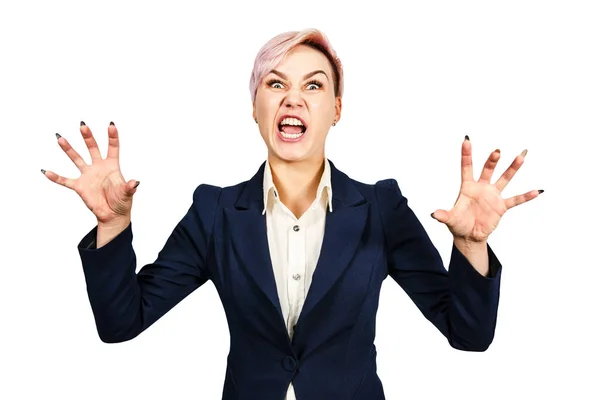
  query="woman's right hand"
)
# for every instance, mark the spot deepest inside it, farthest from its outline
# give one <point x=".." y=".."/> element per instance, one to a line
<point x="101" y="185"/>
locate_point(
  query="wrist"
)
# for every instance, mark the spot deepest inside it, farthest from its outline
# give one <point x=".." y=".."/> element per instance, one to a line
<point x="115" y="223"/>
<point x="470" y="244"/>
<point x="475" y="252"/>
<point x="107" y="231"/>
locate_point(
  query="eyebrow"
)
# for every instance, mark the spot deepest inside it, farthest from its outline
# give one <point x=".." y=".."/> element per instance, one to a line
<point x="284" y="76"/>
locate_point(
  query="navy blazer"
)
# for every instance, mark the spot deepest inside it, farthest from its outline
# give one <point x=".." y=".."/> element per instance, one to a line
<point x="370" y="234"/>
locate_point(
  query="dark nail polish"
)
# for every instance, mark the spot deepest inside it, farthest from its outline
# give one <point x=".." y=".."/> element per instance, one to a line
<point x="137" y="184"/>
<point x="467" y="137"/>
<point x="58" y="136"/>
<point x="44" y="171"/>
<point x="82" y="123"/>
<point x="541" y="191"/>
<point x="112" y="123"/>
<point x="432" y="215"/>
<point x="497" y="150"/>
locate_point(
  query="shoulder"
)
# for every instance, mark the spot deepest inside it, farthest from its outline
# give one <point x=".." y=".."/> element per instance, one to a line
<point x="381" y="187"/>
<point x="218" y="194"/>
<point x="242" y="194"/>
<point x="383" y="191"/>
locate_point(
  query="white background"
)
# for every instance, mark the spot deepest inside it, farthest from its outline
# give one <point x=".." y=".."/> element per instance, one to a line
<point x="173" y="76"/>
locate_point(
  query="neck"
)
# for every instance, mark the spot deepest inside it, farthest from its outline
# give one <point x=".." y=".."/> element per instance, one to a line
<point x="297" y="182"/>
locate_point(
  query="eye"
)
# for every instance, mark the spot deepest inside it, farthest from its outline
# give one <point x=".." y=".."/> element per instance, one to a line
<point x="314" y="85"/>
<point x="275" y="84"/>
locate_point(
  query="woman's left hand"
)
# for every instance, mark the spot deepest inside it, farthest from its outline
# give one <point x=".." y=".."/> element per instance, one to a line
<point x="480" y="205"/>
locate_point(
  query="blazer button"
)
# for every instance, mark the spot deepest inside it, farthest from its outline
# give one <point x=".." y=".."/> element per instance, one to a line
<point x="289" y="364"/>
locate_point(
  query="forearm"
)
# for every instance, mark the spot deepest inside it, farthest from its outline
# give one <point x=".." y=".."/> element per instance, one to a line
<point x="474" y="298"/>
<point x="112" y="285"/>
<point x="107" y="232"/>
<point x="476" y="253"/>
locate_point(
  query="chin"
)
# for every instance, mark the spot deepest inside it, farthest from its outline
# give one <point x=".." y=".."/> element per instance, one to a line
<point x="292" y="148"/>
<point x="288" y="155"/>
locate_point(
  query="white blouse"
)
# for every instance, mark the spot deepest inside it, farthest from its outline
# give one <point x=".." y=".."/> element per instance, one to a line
<point x="295" y="245"/>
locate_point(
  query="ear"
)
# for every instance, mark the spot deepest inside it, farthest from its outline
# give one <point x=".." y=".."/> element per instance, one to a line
<point x="338" y="108"/>
<point x="254" y="111"/>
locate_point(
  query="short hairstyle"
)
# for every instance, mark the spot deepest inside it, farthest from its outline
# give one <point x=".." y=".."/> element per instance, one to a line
<point x="275" y="50"/>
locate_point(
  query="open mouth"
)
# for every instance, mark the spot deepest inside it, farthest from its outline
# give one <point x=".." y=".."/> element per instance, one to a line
<point x="291" y="128"/>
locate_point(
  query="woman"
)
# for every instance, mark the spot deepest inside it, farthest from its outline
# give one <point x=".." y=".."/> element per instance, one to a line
<point x="297" y="253"/>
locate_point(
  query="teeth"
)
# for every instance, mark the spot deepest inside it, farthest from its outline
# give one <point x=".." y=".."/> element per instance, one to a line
<point x="291" y="121"/>
<point x="291" y="135"/>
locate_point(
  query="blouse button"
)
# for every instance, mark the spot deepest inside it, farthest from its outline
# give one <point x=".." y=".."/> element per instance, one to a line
<point x="296" y="277"/>
<point x="296" y="228"/>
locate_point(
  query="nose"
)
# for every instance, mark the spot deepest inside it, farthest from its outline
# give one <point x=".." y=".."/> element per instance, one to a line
<point x="293" y="99"/>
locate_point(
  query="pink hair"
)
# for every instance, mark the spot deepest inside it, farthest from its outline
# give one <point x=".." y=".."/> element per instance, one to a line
<point x="275" y="50"/>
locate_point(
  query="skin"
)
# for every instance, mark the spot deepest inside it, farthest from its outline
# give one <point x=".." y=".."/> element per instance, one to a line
<point x="101" y="184"/>
<point x="297" y="166"/>
<point x="480" y="205"/>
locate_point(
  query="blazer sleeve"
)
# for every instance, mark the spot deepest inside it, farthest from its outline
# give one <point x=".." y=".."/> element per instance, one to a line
<point x="459" y="301"/>
<point x="124" y="303"/>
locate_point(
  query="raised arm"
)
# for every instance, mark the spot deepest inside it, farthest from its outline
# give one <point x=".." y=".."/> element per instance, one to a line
<point x="459" y="301"/>
<point x="462" y="302"/>
<point x="125" y="303"/>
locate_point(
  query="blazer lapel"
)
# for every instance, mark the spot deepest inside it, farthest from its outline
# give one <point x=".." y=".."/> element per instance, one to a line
<point x="344" y="228"/>
<point x="248" y="230"/>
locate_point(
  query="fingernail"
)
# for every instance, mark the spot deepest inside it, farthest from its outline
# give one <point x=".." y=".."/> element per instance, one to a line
<point x="112" y="123"/>
<point x="541" y="191"/>
<point x="432" y="215"/>
<point x="58" y="136"/>
<point x="467" y="137"/>
<point x="136" y="185"/>
<point x="44" y="171"/>
<point x="524" y="153"/>
<point x="497" y="150"/>
<point x="82" y="123"/>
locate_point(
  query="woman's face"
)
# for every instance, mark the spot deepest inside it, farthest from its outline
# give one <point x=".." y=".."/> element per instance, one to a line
<point x="295" y="106"/>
